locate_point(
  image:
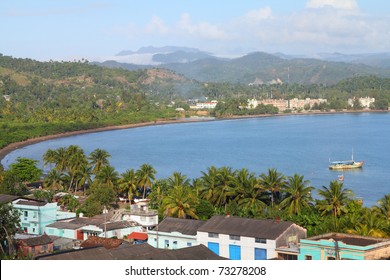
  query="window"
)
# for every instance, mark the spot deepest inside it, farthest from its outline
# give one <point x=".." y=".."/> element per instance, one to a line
<point x="25" y="213"/>
<point x="308" y="257"/>
<point x="213" y="235"/>
<point x="234" y="237"/>
<point x="261" y="240"/>
<point x="166" y="243"/>
<point x="189" y="244"/>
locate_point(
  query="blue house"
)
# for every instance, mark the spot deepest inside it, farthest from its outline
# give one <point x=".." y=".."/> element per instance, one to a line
<point x="340" y="246"/>
<point x="35" y="215"/>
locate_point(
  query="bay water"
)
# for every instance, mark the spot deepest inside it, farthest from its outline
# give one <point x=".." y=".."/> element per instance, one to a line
<point x="302" y="144"/>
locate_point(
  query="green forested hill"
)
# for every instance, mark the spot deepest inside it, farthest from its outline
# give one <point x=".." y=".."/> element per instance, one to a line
<point x="40" y="98"/>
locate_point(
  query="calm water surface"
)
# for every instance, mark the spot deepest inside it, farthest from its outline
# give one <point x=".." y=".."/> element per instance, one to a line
<point x="292" y="144"/>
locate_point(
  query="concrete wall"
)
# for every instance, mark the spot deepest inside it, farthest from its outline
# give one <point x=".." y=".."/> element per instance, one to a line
<point x="174" y="240"/>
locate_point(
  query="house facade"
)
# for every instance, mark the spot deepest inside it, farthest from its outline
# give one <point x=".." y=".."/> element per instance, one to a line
<point x="82" y="228"/>
<point x="340" y="246"/>
<point x="35" y="215"/>
<point x="174" y="233"/>
<point x="248" y="239"/>
<point x="142" y="214"/>
<point x="34" y="245"/>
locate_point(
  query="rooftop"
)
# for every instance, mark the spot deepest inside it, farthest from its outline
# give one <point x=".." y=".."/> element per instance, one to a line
<point x="350" y="239"/>
<point x="184" y="226"/>
<point x="35" y="241"/>
<point x="142" y="251"/>
<point x="267" y="229"/>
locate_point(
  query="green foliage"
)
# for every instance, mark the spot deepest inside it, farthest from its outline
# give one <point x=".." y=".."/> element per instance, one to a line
<point x="26" y="170"/>
<point x="9" y="224"/>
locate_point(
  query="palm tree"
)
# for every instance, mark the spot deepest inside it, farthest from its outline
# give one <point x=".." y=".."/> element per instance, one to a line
<point x="298" y="194"/>
<point x="384" y="206"/>
<point x="146" y="176"/>
<point x="98" y="159"/>
<point x="49" y="157"/>
<point x="108" y="176"/>
<point x="178" y="179"/>
<point x="76" y="160"/>
<point x="225" y="179"/>
<point x="208" y="189"/>
<point x="84" y="176"/>
<point x="60" y="159"/>
<point x="335" y="199"/>
<point x="128" y="184"/>
<point x="273" y="182"/>
<point x="53" y="180"/>
<point x="371" y="224"/>
<point x="248" y="193"/>
<point x="180" y="202"/>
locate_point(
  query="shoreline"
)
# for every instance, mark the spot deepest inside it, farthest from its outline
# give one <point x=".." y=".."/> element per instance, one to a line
<point x="17" y="145"/>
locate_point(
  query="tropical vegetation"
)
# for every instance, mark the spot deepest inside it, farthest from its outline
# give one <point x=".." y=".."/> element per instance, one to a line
<point x="267" y="195"/>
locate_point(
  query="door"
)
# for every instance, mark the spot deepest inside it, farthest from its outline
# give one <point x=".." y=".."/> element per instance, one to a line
<point x="213" y="247"/>
<point x="260" y="254"/>
<point x="234" y="252"/>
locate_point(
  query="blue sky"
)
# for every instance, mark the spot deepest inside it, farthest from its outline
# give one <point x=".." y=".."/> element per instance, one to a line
<point x="96" y="30"/>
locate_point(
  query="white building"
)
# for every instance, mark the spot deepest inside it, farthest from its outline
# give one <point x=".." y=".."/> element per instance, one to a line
<point x="249" y="239"/>
<point x="142" y="214"/>
<point x="205" y="105"/>
<point x="365" y="102"/>
<point x="174" y="233"/>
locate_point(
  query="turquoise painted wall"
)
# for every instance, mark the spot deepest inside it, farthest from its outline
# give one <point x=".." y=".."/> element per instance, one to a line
<point x="323" y="249"/>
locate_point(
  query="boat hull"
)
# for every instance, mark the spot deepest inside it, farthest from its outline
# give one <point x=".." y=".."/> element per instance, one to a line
<point x="340" y="166"/>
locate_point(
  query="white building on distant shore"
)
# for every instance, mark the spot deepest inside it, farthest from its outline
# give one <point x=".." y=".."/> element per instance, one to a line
<point x="205" y="105"/>
<point x="365" y="102"/>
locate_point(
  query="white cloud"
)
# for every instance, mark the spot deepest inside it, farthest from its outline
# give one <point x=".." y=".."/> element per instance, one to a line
<point x="203" y="30"/>
<point x="338" y="4"/>
<point x="259" y="15"/>
<point x="156" y="25"/>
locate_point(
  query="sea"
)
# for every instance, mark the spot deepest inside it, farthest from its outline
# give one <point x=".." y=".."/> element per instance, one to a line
<point x="302" y="144"/>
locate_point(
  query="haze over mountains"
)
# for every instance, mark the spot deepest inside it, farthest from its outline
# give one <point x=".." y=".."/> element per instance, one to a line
<point x="256" y="67"/>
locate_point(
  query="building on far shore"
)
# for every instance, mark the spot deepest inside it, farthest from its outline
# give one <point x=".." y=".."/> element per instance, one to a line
<point x="365" y="102"/>
<point x="284" y="104"/>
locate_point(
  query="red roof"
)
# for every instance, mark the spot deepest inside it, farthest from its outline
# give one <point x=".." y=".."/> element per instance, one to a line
<point x="138" y="236"/>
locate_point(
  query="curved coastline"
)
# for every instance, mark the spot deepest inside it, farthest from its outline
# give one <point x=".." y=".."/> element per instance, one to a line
<point x="17" y="145"/>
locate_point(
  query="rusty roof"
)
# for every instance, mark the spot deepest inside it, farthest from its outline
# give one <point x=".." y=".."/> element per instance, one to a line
<point x="107" y="243"/>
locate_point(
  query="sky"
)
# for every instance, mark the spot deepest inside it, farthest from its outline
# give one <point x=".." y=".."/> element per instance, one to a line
<point x="98" y="30"/>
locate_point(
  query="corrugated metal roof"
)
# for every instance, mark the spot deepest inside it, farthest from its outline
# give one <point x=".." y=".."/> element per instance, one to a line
<point x="267" y="229"/>
<point x="135" y="252"/>
<point x="35" y="241"/>
<point x="184" y="226"/>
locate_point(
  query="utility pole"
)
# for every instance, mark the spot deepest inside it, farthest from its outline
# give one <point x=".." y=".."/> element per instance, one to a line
<point x="105" y="221"/>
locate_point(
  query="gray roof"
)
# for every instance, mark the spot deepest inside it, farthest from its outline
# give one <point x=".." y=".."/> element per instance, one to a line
<point x="267" y="229"/>
<point x="350" y="239"/>
<point x="31" y="203"/>
<point x="5" y="198"/>
<point x="184" y="226"/>
<point x="35" y="241"/>
<point x="135" y="252"/>
<point x="118" y="225"/>
<point x="65" y="225"/>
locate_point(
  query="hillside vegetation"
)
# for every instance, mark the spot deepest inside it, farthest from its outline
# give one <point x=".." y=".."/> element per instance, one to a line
<point x="42" y="98"/>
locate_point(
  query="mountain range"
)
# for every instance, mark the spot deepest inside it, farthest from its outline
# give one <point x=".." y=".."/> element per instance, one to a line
<point x="254" y="68"/>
